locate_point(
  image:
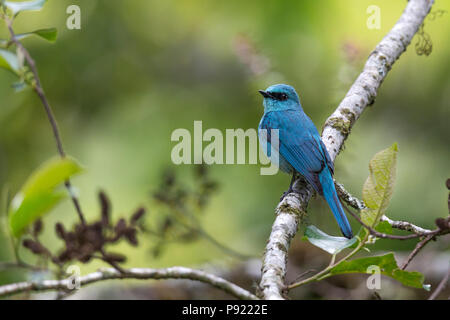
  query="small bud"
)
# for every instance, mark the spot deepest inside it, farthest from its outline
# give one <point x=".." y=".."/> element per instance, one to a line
<point x="442" y="223"/>
<point x="60" y="231"/>
<point x="130" y="234"/>
<point x="120" y="227"/>
<point x="115" y="257"/>
<point x="34" y="246"/>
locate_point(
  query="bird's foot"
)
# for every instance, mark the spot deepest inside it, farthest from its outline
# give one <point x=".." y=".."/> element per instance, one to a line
<point x="285" y="194"/>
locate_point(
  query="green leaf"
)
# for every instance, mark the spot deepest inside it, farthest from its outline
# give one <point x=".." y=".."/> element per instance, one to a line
<point x="384" y="227"/>
<point x="379" y="186"/>
<point x="50" y="174"/>
<point x="9" y="61"/>
<point x="49" y="34"/>
<point x="388" y="267"/>
<point x="32" y="208"/>
<point x="330" y="244"/>
<point x="19" y="86"/>
<point x="38" y="195"/>
<point x="17" y="7"/>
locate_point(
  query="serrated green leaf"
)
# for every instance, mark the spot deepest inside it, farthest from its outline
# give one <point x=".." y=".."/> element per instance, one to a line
<point x="50" y="174"/>
<point x="17" y="7"/>
<point x="49" y="34"/>
<point x="388" y="267"/>
<point x="379" y="186"/>
<point x="32" y="208"/>
<point x="9" y="61"/>
<point x="330" y="244"/>
<point x="38" y="195"/>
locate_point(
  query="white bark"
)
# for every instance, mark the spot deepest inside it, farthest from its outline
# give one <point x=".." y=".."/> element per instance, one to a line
<point x="337" y="128"/>
<point x="135" y="273"/>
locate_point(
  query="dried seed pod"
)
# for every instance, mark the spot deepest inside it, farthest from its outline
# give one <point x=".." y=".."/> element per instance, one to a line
<point x="137" y="215"/>
<point x="105" y="208"/>
<point x="84" y="258"/>
<point x="64" y="256"/>
<point x="60" y="231"/>
<point x="37" y="227"/>
<point x="34" y="247"/>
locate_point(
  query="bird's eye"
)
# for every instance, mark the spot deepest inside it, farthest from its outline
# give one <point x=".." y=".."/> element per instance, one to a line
<point x="279" y="96"/>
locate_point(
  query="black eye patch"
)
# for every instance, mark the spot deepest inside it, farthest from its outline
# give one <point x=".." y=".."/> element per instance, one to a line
<point x="279" y="96"/>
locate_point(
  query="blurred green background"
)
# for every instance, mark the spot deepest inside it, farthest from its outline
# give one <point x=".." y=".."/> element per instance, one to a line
<point x="137" y="70"/>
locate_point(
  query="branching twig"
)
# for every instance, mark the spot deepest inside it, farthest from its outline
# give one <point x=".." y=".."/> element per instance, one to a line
<point x="37" y="87"/>
<point x="359" y="205"/>
<point x="406" y="226"/>
<point x="416" y="250"/>
<point x="336" y="130"/>
<point x="325" y="272"/>
<point x="135" y="273"/>
<point x="19" y="265"/>
<point x="377" y="234"/>
<point x="351" y="200"/>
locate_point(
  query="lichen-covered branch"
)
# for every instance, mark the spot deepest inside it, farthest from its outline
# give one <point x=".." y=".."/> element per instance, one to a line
<point x="337" y="128"/>
<point x="406" y="226"/>
<point x="441" y="286"/>
<point x="359" y="205"/>
<point x="135" y="273"/>
<point x="289" y="212"/>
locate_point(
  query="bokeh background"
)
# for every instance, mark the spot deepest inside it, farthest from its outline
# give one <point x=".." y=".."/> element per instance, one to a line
<point x="137" y="70"/>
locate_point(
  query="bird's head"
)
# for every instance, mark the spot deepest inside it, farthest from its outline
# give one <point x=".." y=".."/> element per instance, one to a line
<point x="280" y="97"/>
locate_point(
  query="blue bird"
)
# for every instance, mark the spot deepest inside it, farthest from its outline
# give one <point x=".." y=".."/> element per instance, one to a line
<point x="300" y="148"/>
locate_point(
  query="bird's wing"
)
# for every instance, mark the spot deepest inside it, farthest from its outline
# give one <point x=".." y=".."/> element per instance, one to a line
<point x="299" y="144"/>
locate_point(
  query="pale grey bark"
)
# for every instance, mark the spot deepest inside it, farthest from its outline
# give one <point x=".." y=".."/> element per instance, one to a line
<point x="337" y="128"/>
<point x="135" y="273"/>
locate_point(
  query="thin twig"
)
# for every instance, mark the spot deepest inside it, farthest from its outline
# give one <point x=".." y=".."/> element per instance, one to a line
<point x="135" y="273"/>
<point x="416" y="250"/>
<point x="388" y="236"/>
<point x="19" y="265"/>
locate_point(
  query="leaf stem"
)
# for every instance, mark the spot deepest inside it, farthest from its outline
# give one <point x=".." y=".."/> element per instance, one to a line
<point x="37" y="87"/>
<point x="325" y="272"/>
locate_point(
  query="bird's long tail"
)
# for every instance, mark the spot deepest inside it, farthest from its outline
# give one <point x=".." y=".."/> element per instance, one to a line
<point x="330" y="195"/>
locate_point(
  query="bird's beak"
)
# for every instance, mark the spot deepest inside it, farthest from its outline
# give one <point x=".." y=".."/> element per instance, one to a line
<point x="265" y="94"/>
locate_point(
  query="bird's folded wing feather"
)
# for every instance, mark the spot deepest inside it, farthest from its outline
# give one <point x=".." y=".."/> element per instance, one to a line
<point x="298" y="144"/>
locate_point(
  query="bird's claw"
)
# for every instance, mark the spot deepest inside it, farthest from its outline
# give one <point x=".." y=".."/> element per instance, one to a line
<point x="285" y="194"/>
